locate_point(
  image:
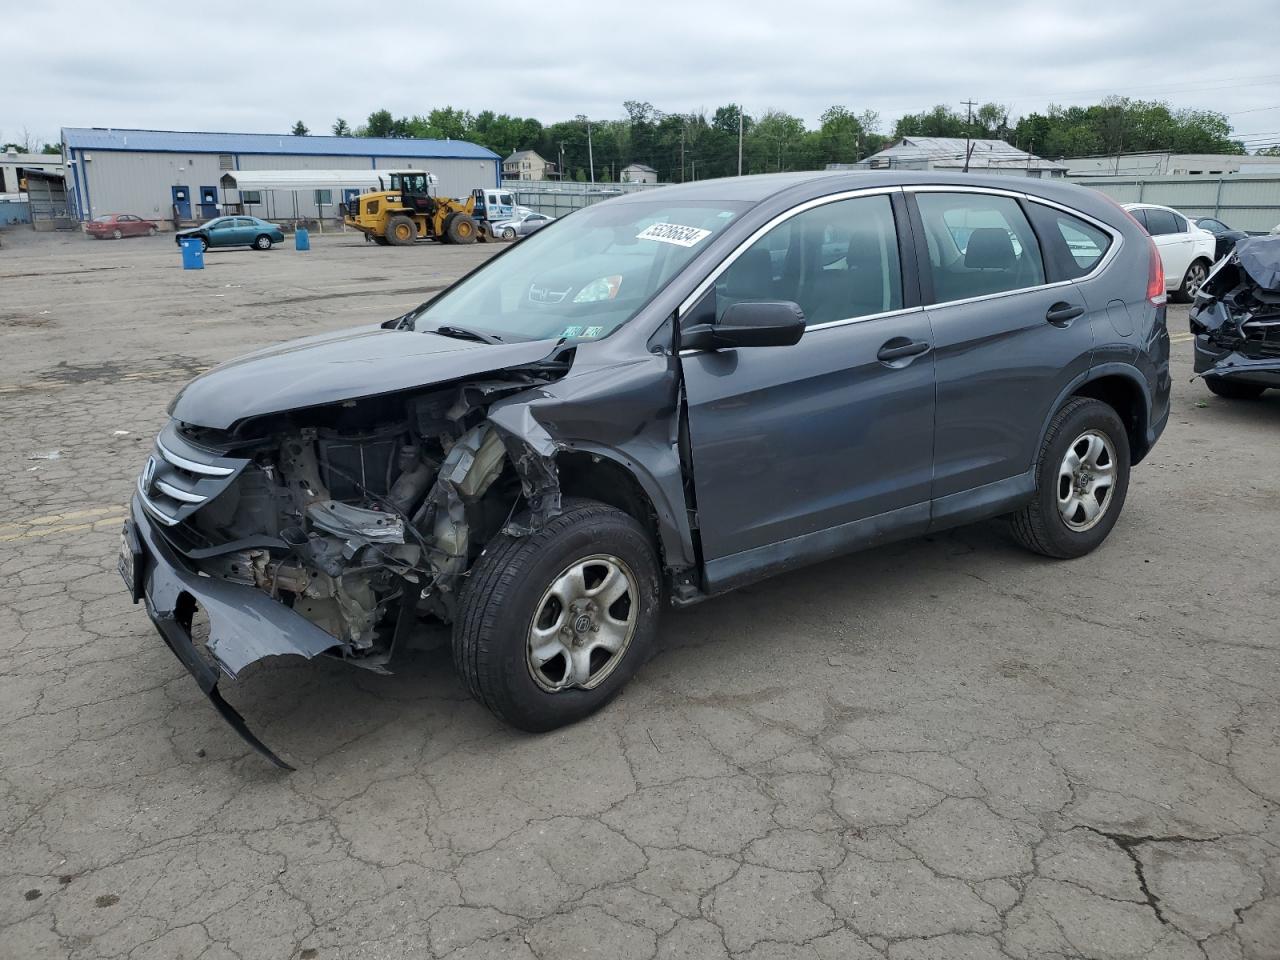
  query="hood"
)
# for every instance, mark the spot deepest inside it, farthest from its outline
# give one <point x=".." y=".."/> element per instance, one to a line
<point x="1259" y="257"/>
<point x="333" y="367"/>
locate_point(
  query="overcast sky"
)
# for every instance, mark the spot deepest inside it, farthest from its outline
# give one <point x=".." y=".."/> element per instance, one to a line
<point x="261" y="66"/>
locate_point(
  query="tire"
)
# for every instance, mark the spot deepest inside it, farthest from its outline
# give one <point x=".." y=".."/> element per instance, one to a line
<point x="1195" y="276"/>
<point x="262" y="242"/>
<point x="116" y="235"/>
<point x="509" y="592"/>
<point x="400" y="231"/>
<point x="1233" y="389"/>
<point x="152" y="231"/>
<point x="509" y="233"/>
<point x="1041" y="526"/>
<point x="204" y="244"/>
<point x="460" y="228"/>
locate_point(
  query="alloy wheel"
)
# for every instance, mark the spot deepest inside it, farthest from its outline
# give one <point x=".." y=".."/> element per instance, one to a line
<point x="1196" y="275"/>
<point x="583" y="625"/>
<point x="1086" y="479"/>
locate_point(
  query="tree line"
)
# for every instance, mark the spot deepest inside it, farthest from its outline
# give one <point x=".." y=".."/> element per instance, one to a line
<point x="698" y="145"/>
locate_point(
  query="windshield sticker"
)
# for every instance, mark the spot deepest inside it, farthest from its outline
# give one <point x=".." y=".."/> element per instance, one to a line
<point x="571" y="332"/>
<point x="681" y="236"/>
<point x="593" y="331"/>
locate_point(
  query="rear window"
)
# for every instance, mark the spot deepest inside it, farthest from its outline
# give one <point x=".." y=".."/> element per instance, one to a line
<point x="106" y="219"/>
<point x="1072" y="245"/>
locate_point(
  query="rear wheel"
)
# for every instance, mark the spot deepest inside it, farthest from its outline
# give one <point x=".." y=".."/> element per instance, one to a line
<point x="262" y="242"/>
<point x="460" y="228"/>
<point x="1082" y="478"/>
<point x="552" y="625"/>
<point x="1195" y="276"/>
<point x="400" y="231"/>
<point x="1233" y="389"/>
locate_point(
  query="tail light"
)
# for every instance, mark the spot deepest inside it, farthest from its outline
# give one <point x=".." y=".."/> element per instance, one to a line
<point x="1155" y="275"/>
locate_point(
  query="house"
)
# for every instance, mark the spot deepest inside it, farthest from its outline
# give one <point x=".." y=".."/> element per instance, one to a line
<point x="949" y="153"/>
<point x="638" y="173"/>
<point x="14" y="167"/>
<point x="528" y="165"/>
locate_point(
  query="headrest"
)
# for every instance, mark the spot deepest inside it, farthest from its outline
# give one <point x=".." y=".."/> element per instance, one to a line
<point x="990" y="248"/>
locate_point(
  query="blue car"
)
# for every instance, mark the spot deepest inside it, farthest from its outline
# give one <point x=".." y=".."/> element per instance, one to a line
<point x="233" y="232"/>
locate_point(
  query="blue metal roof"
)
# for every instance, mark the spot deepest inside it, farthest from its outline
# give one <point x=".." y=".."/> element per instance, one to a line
<point x="176" y="141"/>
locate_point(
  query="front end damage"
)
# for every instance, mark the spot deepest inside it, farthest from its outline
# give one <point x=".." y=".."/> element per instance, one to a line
<point x="332" y="529"/>
<point x="1236" y="316"/>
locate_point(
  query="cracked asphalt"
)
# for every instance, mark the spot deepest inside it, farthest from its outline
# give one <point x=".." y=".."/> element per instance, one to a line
<point x="947" y="749"/>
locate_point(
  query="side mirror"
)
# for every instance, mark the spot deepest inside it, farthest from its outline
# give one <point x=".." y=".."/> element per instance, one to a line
<point x="771" y="323"/>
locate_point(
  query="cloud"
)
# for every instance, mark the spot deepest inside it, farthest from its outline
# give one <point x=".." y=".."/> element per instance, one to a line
<point x="261" y="66"/>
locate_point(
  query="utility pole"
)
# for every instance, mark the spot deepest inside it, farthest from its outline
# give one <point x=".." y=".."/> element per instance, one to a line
<point x="591" y="157"/>
<point x="682" y="154"/>
<point x="561" y="167"/>
<point x="739" y="139"/>
<point x="968" y="131"/>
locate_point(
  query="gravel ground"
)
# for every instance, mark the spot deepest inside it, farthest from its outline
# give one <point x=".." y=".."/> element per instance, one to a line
<point x="944" y="749"/>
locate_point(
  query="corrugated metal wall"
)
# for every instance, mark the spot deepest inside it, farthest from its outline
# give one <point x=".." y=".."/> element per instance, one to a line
<point x="108" y="181"/>
<point x="1242" y="201"/>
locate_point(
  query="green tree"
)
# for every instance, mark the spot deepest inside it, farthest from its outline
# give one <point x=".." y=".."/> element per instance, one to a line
<point x="300" y="129"/>
<point x="341" y="128"/>
<point x="941" y="121"/>
<point x="52" y="148"/>
<point x="380" y="124"/>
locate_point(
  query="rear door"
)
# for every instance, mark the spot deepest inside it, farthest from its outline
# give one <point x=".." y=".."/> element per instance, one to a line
<point x="802" y="441"/>
<point x="1007" y="341"/>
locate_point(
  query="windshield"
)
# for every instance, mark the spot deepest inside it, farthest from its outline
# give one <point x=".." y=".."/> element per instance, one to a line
<point x="582" y="276"/>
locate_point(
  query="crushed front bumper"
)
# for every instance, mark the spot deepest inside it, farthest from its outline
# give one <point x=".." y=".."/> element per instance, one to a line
<point x="1213" y="360"/>
<point x="245" y="624"/>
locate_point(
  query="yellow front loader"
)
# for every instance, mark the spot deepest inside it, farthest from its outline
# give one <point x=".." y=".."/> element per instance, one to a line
<point x="408" y="212"/>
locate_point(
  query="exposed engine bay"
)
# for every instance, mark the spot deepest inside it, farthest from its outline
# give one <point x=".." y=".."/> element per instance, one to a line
<point x="356" y="515"/>
<point x="1236" y="317"/>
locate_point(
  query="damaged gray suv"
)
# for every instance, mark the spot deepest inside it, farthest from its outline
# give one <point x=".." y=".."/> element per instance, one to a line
<point x="656" y="400"/>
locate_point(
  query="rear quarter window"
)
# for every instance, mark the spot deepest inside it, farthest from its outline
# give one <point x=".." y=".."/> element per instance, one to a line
<point x="1072" y="245"/>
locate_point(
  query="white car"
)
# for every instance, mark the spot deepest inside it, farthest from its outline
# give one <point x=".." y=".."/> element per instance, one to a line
<point x="1186" y="251"/>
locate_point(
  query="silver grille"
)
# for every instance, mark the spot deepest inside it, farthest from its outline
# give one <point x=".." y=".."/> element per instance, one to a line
<point x="178" y="478"/>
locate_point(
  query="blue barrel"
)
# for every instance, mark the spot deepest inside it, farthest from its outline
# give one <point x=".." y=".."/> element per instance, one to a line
<point x="301" y="239"/>
<point x="192" y="255"/>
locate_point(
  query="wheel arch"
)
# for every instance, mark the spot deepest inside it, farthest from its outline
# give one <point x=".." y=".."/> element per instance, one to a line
<point x="600" y="473"/>
<point x="1122" y="388"/>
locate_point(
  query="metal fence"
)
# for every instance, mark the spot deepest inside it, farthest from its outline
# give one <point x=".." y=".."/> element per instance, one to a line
<point x="1242" y="201"/>
<point x="557" y="199"/>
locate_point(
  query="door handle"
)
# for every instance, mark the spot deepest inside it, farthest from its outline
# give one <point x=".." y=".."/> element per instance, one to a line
<point x="1062" y="313"/>
<point x="899" y="348"/>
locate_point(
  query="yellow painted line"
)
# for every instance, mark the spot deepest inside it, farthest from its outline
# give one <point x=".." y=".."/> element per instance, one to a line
<point x="58" y="519"/>
<point x="1181" y="338"/>
<point x="105" y="523"/>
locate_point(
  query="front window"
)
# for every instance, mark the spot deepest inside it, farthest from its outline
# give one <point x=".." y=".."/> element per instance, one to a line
<point x="836" y="261"/>
<point x="584" y="276"/>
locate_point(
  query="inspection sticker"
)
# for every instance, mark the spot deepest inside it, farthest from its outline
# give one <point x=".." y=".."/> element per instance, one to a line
<point x="681" y="236"/>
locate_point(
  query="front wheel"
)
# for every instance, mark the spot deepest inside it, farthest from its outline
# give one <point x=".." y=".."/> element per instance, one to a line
<point x="1233" y="389"/>
<point x="116" y="234"/>
<point x="262" y="242"/>
<point x="152" y="231"/>
<point x="1082" y="478"/>
<point x="509" y="233"/>
<point x="1191" y="283"/>
<point x="204" y="244"/>
<point x="552" y="625"/>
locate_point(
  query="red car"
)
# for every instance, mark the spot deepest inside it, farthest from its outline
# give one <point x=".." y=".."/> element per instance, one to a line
<point x="117" y="225"/>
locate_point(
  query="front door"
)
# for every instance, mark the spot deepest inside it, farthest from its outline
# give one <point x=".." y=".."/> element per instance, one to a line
<point x="806" y="450"/>
<point x="182" y="202"/>
<point x="1006" y="345"/>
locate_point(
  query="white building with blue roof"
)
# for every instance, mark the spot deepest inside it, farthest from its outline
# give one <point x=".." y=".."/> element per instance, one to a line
<point x="166" y="175"/>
